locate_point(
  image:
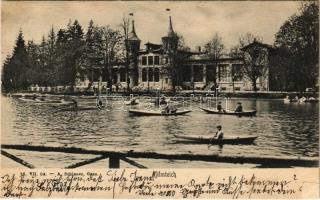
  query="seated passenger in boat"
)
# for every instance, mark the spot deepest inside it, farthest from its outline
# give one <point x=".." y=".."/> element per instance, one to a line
<point x="219" y="108"/>
<point x="163" y="100"/>
<point x="239" y="108"/>
<point x="169" y="110"/>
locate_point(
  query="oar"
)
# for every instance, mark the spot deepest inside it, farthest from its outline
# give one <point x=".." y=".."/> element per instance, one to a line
<point x="209" y="145"/>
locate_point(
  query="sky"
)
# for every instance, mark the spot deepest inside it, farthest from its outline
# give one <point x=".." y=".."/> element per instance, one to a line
<point x="197" y="21"/>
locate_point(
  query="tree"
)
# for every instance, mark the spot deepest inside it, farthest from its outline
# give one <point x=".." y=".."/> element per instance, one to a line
<point x="75" y="48"/>
<point x="61" y="58"/>
<point x="51" y="57"/>
<point x="299" y="36"/>
<point x="6" y="75"/>
<point x="34" y="73"/>
<point x="255" y="63"/>
<point x="15" y="68"/>
<point x="111" y="46"/>
<point x="91" y="55"/>
<point x="214" y="49"/>
<point x="279" y="70"/>
<point x="255" y="59"/>
<point x="248" y="38"/>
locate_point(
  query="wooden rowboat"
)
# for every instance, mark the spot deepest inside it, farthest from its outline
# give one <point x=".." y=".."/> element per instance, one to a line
<point x="156" y="112"/>
<point x="230" y="112"/>
<point x="80" y="109"/>
<point x="131" y="102"/>
<point x="209" y="140"/>
<point x="41" y="101"/>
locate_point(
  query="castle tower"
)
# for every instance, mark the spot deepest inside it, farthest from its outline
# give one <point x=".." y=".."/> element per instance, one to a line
<point x="170" y="42"/>
<point x="170" y="46"/>
<point x="134" y="46"/>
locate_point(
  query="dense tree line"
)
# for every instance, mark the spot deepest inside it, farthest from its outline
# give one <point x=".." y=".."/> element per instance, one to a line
<point x="64" y="57"/>
<point x="296" y="60"/>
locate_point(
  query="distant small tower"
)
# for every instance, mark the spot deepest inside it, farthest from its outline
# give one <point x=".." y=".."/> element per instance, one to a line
<point x="134" y="47"/>
<point x="170" y="42"/>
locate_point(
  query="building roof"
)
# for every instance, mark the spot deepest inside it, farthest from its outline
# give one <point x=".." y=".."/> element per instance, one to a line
<point x="171" y="33"/>
<point x="132" y="35"/>
<point x="152" y="45"/>
<point x="256" y="43"/>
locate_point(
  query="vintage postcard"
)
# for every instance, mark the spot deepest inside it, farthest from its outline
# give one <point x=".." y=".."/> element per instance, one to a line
<point x="160" y="99"/>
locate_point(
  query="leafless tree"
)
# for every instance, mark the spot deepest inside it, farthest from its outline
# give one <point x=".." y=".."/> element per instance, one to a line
<point x="255" y="64"/>
<point x="215" y="49"/>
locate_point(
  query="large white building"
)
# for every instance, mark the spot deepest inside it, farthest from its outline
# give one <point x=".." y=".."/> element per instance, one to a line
<point x="150" y="67"/>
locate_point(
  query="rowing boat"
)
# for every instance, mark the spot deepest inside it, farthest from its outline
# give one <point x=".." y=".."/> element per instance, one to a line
<point x="81" y="109"/>
<point x="210" y="140"/>
<point x="230" y="112"/>
<point x="156" y="112"/>
<point x="40" y="101"/>
<point x="131" y="102"/>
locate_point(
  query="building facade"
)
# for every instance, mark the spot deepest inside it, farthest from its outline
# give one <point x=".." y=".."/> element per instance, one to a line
<point x="165" y="67"/>
<point x="151" y="68"/>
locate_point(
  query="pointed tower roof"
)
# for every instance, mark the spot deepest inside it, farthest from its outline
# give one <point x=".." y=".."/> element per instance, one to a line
<point x="132" y="35"/>
<point x="171" y="33"/>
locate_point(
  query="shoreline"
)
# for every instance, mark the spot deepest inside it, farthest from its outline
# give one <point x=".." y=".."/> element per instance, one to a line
<point x="196" y="94"/>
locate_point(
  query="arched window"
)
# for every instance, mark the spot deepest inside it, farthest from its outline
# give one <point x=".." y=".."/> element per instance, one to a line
<point x="150" y="75"/>
<point x="144" y="75"/>
<point x="156" y="75"/>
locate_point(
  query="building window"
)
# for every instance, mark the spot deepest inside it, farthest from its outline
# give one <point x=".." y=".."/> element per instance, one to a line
<point x="144" y="60"/>
<point x="211" y="73"/>
<point x="150" y="60"/>
<point x="223" y="73"/>
<point x="237" y="72"/>
<point x="156" y="60"/>
<point x="166" y="80"/>
<point x="166" y="60"/>
<point x="156" y="74"/>
<point x="122" y="75"/>
<point x="198" y="73"/>
<point x="144" y="75"/>
<point x="150" y="73"/>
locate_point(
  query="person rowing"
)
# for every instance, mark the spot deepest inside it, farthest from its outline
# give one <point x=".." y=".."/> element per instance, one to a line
<point x="168" y="109"/>
<point x="218" y="135"/>
<point x="239" y="108"/>
<point x="75" y="103"/>
<point x="99" y="104"/>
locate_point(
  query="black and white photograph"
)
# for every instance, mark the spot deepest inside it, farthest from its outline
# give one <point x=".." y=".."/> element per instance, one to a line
<point x="159" y="84"/>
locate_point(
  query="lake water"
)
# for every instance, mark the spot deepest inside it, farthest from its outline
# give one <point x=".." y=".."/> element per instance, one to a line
<point x="282" y="130"/>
